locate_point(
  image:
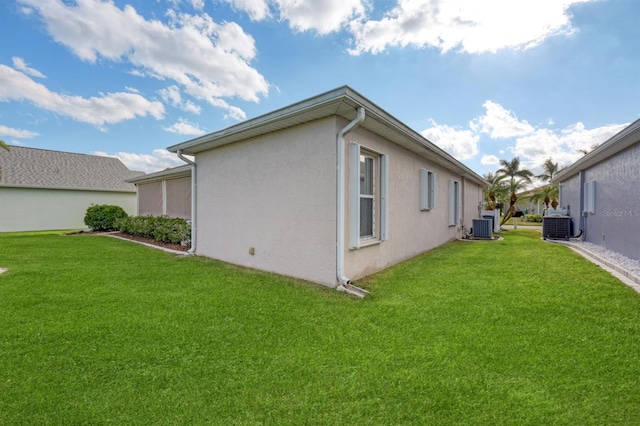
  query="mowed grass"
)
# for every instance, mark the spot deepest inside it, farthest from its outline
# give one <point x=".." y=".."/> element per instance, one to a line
<point x="95" y="330"/>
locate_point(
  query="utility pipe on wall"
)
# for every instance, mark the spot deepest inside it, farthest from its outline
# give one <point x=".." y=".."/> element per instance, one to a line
<point x="193" y="200"/>
<point x="340" y="178"/>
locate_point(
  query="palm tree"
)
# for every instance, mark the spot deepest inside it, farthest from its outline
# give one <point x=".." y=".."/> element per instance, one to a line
<point x="518" y="179"/>
<point x="585" y="151"/>
<point x="551" y="191"/>
<point x="546" y="194"/>
<point x="495" y="191"/>
<point x="549" y="171"/>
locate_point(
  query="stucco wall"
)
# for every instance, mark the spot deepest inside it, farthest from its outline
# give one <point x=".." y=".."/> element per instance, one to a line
<point x="471" y="202"/>
<point x="570" y="194"/>
<point x="50" y="209"/>
<point x="616" y="221"/>
<point x="411" y="231"/>
<point x="275" y="194"/>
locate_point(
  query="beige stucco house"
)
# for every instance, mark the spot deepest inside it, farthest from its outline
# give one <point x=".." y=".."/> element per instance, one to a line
<point x="330" y="189"/>
<point x="48" y="190"/>
<point x="164" y="193"/>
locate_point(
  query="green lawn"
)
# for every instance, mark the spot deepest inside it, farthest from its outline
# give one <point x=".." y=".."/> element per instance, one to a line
<point x="97" y="330"/>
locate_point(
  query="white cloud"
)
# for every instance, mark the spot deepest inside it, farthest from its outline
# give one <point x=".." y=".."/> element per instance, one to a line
<point x="577" y="137"/>
<point x="172" y="96"/>
<point x="160" y="159"/>
<point x="562" y="147"/>
<point x="184" y="127"/>
<point x="21" y="65"/>
<point x="209" y="60"/>
<point x="467" y="25"/>
<point x="533" y="145"/>
<point x="323" y="16"/>
<point x="499" y="122"/>
<point x="197" y="4"/>
<point x="461" y="144"/>
<point x="109" y="108"/>
<point x="256" y="9"/>
<point x="17" y="133"/>
<point x="489" y="160"/>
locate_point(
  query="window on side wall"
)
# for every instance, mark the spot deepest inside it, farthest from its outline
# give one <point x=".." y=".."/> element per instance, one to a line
<point x="455" y="202"/>
<point x="368" y="196"/>
<point x="427" y="189"/>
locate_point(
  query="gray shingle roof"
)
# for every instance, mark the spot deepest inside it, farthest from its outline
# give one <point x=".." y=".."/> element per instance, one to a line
<point x="40" y="168"/>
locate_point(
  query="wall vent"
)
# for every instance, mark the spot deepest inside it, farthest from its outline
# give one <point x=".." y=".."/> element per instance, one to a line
<point x="556" y="227"/>
<point x="482" y="228"/>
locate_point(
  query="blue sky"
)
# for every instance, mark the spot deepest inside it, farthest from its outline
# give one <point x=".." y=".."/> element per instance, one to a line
<point x="484" y="80"/>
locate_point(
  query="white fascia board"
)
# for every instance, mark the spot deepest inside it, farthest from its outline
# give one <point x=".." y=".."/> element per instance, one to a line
<point x="342" y="102"/>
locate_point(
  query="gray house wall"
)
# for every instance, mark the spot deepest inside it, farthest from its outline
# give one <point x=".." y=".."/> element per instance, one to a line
<point x="616" y="221"/>
<point x="570" y="198"/>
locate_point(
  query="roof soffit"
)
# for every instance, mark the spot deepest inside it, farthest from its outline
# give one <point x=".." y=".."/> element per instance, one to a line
<point x="343" y="102"/>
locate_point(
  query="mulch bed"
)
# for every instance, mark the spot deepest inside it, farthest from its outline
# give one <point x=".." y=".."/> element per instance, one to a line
<point x="151" y="241"/>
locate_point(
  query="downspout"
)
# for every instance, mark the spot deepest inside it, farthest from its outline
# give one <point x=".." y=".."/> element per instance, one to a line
<point x="193" y="200"/>
<point x="340" y="178"/>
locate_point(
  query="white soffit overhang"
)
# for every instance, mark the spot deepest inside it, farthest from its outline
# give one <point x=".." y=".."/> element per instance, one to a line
<point x="343" y="102"/>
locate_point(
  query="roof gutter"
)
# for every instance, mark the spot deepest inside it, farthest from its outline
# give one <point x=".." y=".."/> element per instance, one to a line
<point x="343" y="281"/>
<point x="193" y="200"/>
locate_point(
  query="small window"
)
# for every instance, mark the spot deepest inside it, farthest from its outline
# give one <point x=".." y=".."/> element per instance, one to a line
<point x="368" y="196"/>
<point x="454" y="202"/>
<point x="590" y="197"/>
<point x="427" y="189"/>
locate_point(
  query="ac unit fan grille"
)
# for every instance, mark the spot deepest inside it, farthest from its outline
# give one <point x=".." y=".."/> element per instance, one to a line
<point x="482" y="228"/>
<point x="556" y="227"/>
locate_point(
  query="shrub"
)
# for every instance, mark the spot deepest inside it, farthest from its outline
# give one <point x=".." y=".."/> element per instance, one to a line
<point x="102" y="217"/>
<point x="165" y="229"/>
<point x="534" y="218"/>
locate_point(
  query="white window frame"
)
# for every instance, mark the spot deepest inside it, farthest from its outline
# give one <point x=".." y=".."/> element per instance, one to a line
<point x="380" y="183"/>
<point x="590" y="197"/>
<point x="455" y="202"/>
<point x="427" y="189"/>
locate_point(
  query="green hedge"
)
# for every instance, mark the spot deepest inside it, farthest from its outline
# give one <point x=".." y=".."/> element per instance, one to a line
<point x="103" y="217"/>
<point x="165" y="229"/>
<point x="533" y="218"/>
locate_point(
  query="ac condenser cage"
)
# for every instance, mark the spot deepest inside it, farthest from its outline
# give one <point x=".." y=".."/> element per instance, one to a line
<point x="482" y="228"/>
<point x="556" y="227"/>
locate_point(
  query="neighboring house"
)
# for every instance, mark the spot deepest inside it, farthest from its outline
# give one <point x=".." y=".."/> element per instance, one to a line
<point x="165" y="193"/>
<point x="47" y="190"/>
<point x="329" y="189"/>
<point x="602" y="193"/>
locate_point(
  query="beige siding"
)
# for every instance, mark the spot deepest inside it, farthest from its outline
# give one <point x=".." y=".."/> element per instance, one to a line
<point x="50" y="209"/>
<point x="411" y="231"/>
<point x="275" y="194"/>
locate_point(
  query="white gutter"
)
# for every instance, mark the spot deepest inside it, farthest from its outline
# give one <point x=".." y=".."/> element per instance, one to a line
<point x="340" y="178"/>
<point x="193" y="200"/>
